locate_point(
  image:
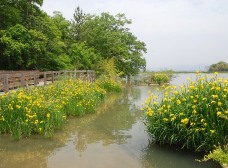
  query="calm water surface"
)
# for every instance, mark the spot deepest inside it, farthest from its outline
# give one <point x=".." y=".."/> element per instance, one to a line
<point x="114" y="137"/>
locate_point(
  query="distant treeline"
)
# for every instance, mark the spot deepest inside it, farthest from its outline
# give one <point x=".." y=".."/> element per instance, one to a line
<point x="220" y="67"/>
<point x="31" y="39"/>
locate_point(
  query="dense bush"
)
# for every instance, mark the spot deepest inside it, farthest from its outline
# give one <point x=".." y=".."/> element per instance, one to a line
<point x="160" y="78"/>
<point x="192" y="115"/>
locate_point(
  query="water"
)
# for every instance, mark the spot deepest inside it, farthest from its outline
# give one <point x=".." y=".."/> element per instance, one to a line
<point x="181" y="78"/>
<point x="114" y="137"/>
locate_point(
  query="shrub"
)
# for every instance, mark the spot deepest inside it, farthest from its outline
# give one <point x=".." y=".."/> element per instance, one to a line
<point x="109" y="84"/>
<point x="219" y="154"/>
<point x="160" y="78"/>
<point x="191" y="115"/>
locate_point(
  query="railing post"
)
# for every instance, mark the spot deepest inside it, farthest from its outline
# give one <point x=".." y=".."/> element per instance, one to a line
<point x="45" y="78"/>
<point x="94" y="76"/>
<point x="75" y="74"/>
<point x="35" y="80"/>
<point x="86" y="75"/>
<point x="64" y="74"/>
<point x="6" y="83"/>
<point x="52" y="76"/>
<point x="22" y="79"/>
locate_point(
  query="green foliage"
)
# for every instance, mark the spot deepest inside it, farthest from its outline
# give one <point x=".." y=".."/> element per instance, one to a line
<point x="220" y="66"/>
<point x="83" y="57"/>
<point x="9" y="14"/>
<point x="63" y="25"/>
<point x="109" y="84"/>
<point x="191" y="115"/>
<point x="43" y="49"/>
<point x="79" y="18"/>
<point x="108" y="68"/>
<point x="18" y="52"/>
<point x="159" y="78"/>
<point x="219" y="154"/>
<point x="108" y="76"/>
<point x="30" y="39"/>
<point x="14" y="46"/>
<point x="110" y="39"/>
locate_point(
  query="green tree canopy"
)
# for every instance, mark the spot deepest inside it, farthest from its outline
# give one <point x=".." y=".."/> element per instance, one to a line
<point x="83" y="57"/>
<point x="110" y="38"/>
<point x="30" y="39"/>
<point x="220" y="66"/>
<point x="9" y="14"/>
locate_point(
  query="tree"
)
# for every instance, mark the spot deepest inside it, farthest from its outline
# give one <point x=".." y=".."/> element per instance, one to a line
<point x="21" y="48"/>
<point x="110" y="38"/>
<point x="83" y="57"/>
<point x="220" y="66"/>
<point x="30" y="39"/>
<point x="62" y="24"/>
<point x="79" y="18"/>
<point x="57" y="57"/>
<point x="13" y="47"/>
<point x="9" y="14"/>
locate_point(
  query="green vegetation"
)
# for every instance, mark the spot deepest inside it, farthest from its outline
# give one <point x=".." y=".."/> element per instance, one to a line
<point x="219" y="67"/>
<point x="220" y="154"/>
<point x="192" y="115"/>
<point x="30" y="39"/>
<point x="160" y="77"/>
<point x="41" y="110"/>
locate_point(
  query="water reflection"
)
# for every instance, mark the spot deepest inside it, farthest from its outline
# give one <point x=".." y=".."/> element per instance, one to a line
<point x="113" y="137"/>
<point x="156" y="156"/>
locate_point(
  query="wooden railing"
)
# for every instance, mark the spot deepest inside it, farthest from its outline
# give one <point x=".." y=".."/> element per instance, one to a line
<point x="14" y="79"/>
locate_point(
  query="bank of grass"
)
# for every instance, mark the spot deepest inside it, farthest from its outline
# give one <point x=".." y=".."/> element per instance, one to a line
<point x="192" y="115"/>
<point x="41" y="110"/>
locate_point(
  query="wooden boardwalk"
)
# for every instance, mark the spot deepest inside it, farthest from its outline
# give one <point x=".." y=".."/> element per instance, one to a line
<point x="10" y="80"/>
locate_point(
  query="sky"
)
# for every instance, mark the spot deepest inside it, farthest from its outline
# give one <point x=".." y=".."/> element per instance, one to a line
<point x="179" y="34"/>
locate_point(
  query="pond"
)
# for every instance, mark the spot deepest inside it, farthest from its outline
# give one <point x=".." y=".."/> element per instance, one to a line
<point x="113" y="137"/>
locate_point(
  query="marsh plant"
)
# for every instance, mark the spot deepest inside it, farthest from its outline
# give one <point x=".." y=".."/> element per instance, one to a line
<point x="192" y="115"/>
<point x="160" y="77"/>
<point x="220" y="154"/>
<point x="41" y="110"/>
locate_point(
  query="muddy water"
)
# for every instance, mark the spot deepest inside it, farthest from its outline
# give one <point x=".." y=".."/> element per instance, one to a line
<point x="114" y="137"/>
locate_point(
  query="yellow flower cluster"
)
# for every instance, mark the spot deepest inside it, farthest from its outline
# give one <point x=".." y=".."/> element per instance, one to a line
<point x="197" y="108"/>
<point x="184" y="121"/>
<point x="42" y="109"/>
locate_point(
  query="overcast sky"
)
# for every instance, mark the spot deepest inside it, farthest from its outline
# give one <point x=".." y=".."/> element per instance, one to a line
<point x="177" y="33"/>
